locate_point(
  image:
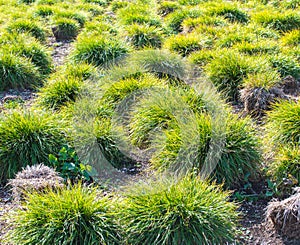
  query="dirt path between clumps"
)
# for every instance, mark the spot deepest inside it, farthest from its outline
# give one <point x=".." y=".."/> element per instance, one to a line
<point x="60" y="51"/>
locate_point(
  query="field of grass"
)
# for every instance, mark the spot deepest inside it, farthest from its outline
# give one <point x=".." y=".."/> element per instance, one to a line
<point x="195" y="103"/>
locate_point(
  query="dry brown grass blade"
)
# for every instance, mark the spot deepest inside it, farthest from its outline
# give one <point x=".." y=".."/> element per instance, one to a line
<point x="285" y="216"/>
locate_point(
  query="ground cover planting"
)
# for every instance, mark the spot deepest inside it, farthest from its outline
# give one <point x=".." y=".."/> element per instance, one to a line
<point x="149" y="122"/>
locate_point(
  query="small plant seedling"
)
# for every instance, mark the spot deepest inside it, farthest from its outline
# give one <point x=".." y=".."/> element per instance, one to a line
<point x="69" y="166"/>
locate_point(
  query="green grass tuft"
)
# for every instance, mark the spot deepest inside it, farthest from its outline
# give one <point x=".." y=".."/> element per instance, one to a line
<point x="27" y="138"/>
<point x="283" y="123"/>
<point x="59" y="92"/>
<point x="98" y="50"/>
<point x="70" y="215"/>
<point x="264" y="79"/>
<point x="65" y="29"/>
<point x="285" y="65"/>
<point x="227" y="72"/>
<point x="282" y="22"/>
<point x="184" y="45"/>
<point x="229" y="12"/>
<point x="286" y="166"/>
<point x="186" y="211"/>
<point x="291" y="38"/>
<point x="141" y="36"/>
<point x="27" y="26"/>
<point x="17" y="72"/>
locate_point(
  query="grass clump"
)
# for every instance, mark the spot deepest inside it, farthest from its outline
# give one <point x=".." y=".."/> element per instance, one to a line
<point x="186" y="149"/>
<point x="283" y="123"/>
<point x="186" y="211"/>
<point x="286" y="167"/>
<point x="263" y="47"/>
<point x="119" y="90"/>
<point x="28" y="26"/>
<point x="98" y="2"/>
<point x="36" y="53"/>
<point x="184" y="45"/>
<point x="167" y="7"/>
<point x="161" y="110"/>
<point x="265" y="79"/>
<point x="227" y="72"/>
<point x="48" y="2"/>
<point x="282" y="22"/>
<point x="98" y="50"/>
<point x="285" y="65"/>
<point x="59" y="92"/>
<point x="26" y="1"/>
<point x="291" y="38"/>
<point x="227" y="40"/>
<point x="137" y="14"/>
<point x="71" y="215"/>
<point x="108" y="137"/>
<point x="115" y="5"/>
<point x="174" y="20"/>
<point x="229" y="12"/>
<point x="80" y="18"/>
<point x="25" y="46"/>
<point x="17" y="72"/>
<point x="65" y="29"/>
<point x="141" y="36"/>
<point x="162" y="63"/>
<point x="80" y="71"/>
<point x="241" y="155"/>
<point x="44" y="11"/>
<point x="27" y="138"/>
<point x="201" y="57"/>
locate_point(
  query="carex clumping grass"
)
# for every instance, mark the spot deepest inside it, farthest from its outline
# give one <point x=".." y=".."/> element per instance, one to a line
<point x="98" y="50"/>
<point x="18" y="72"/>
<point x="286" y="65"/>
<point x="29" y="27"/>
<point x="182" y="211"/>
<point x="283" y="123"/>
<point x="184" y="44"/>
<point x="291" y="38"/>
<point x="25" y="61"/>
<point x="66" y="85"/>
<point x="285" y="168"/>
<point x="143" y="36"/>
<point x="65" y="29"/>
<point x="103" y="128"/>
<point x="69" y="215"/>
<point x="27" y="137"/>
<point x="33" y="50"/>
<point x="162" y="63"/>
<point x="177" y="126"/>
<point x="282" y="22"/>
<point x="227" y="72"/>
<point x="59" y="92"/>
<point x="282" y="144"/>
<point x="182" y="150"/>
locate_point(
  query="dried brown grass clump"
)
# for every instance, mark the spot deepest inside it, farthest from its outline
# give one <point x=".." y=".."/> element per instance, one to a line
<point x="285" y="216"/>
<point x="258" y="100"/>
<point x="291" y="86"/>
<point x="34" y="178"/>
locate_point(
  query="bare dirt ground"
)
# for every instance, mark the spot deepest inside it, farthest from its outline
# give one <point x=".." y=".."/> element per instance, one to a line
<point x="258" y="231"/>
